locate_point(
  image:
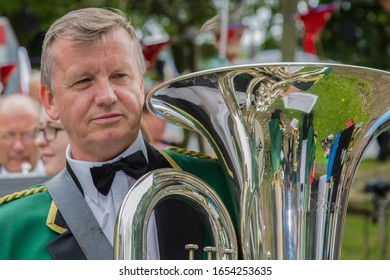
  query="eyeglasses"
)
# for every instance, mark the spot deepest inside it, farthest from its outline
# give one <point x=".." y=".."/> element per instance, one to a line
<point x="10" y="137"/>
<point x="49" y="132"/>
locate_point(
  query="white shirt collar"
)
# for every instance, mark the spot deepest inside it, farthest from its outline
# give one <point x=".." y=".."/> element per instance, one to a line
<point x="82" y="168"/>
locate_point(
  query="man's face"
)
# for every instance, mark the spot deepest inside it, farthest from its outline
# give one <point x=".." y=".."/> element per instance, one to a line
<point x="97" y="94"/>
<point x="17" y="144"/>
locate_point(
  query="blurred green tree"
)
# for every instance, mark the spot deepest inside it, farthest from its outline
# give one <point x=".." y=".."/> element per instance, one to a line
<point x="358" y="33"/>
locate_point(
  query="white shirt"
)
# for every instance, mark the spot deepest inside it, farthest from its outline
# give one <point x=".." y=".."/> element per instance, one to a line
<point x="106" y="208"/>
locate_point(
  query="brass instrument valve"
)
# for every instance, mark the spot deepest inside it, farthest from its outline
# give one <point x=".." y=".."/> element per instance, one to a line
<point x="229" y="253"/>
<point x="191" y="250"/>
<point x="210" y="250"/>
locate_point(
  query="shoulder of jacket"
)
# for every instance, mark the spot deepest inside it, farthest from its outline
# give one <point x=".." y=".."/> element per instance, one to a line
<point x="190" y="153"/>
<point x="21" y="194"/>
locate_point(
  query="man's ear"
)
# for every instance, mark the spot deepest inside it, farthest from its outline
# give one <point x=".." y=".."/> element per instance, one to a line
<point x="47" y="101"/>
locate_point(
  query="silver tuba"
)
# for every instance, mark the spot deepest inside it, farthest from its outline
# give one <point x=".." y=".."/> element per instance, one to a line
<point x="148" y="191"/>
<point x="290" y="138"/>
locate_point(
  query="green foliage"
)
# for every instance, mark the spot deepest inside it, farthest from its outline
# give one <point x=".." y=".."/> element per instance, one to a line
<point x="31" y="18"/>
<point x="358" y="35"/>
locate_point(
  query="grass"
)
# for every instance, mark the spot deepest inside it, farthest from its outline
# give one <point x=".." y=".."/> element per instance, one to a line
<point x="361" y="240"/>
<point x="362" y="236"/>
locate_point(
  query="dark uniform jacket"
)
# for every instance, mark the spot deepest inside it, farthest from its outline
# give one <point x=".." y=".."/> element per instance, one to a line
<point x="32" y="228"/>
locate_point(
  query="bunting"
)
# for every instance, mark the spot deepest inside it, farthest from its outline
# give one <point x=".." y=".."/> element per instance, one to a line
<point x="314" y="22"/>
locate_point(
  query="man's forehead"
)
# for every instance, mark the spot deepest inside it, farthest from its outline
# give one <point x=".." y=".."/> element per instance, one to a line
<point x="76" y="41"/>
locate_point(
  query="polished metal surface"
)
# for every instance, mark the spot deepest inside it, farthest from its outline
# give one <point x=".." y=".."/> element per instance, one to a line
<point x="148" y="191"/>
<point x="290" y="137"/>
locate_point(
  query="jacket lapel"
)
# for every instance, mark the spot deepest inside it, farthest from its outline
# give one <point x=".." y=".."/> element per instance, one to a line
<point x="156" y="159"/>
<point x="65" y="246"/>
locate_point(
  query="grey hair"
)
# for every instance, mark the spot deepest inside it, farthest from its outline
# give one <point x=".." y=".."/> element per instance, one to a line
<point x="20" y="102"/>
<point x="85" y="25"/>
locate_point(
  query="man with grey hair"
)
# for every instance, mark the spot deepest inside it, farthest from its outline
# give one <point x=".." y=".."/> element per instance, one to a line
<point x="19" y="117"/>
<point x="92" y="81"/>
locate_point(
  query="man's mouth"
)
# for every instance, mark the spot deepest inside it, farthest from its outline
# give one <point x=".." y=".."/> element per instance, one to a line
<point x="107" y="118"/>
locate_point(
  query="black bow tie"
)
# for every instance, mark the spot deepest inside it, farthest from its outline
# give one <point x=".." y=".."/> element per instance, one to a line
<point x="134" y="165"/>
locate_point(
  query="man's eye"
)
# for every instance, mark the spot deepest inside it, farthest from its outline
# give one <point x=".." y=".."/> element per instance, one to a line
<point x="86" y="80"/>
<point x="118" y="76"/>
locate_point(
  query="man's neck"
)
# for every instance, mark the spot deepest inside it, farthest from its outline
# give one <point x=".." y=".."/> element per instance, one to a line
<point x="137" y="145"/>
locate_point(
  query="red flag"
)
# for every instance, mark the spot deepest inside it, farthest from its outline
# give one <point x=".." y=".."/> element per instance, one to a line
<point x="349" y="123"/>
<point x="151" y="53"/>
<point x="5" y="73"/>
<point x="234" y="34"/>
<point x="2" y="35"/>
<point x="314" y="22"/>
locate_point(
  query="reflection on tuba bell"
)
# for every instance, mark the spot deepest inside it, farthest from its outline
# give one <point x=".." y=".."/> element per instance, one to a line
<point x="290" y="138"/>
<point x="132" y="222"/>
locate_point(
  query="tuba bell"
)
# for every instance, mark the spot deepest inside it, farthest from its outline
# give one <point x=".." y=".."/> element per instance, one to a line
<point x="290" y="138"/>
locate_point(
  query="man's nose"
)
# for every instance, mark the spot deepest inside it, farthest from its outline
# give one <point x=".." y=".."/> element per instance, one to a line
<point x="40" y="139"/>
<point x="18" y="145"/>
<point x="105" y="94"/>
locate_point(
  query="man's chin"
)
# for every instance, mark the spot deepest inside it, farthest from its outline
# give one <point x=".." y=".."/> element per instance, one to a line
<point x="114" y="138"/>
<point x="18" y="165"/>
<point x="14" y="169"/>
<point x="107" y="148"/>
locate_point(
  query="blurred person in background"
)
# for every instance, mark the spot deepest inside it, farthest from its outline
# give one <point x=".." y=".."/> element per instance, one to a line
<point x="52" y="140"/>
<point x="19" y="117"/>
<point x="35" y="84"/>
<point x="153" y="129"/>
